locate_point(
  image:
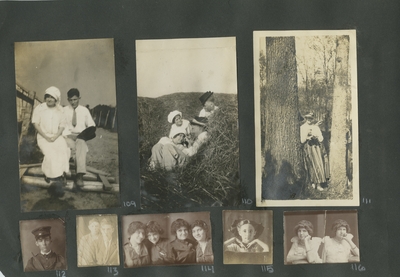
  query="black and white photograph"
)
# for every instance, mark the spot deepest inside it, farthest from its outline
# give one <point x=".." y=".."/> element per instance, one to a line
<point x="306" y="118"/>
<point x="167" y="239"/>
<point x="43" y="244"/>
<point x="67" y="124"/>
<point x="188" y="122"/>
<point x="247" y="237"/>
<point x="315" y="237"/>
<point x="97" y="240"/>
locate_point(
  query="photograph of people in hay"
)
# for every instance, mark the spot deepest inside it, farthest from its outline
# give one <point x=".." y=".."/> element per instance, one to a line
<point x="306" y="118"/>
<point x="188" y="122"/>
<point x="66" y="111"/>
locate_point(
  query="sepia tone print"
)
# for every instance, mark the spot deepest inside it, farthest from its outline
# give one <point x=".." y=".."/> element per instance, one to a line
<point x="315" y="237"/>
<point x="43" y="243"/>
<point x="97" y="240"/>
<point x="306" y="118"/>
<point x="248" y="237"/>
<point x="188" y="122"/>
<point x="66" y="113"/>
<point x="167" y="239"/>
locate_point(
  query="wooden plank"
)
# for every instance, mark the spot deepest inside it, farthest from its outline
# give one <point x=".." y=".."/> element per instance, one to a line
<point x="22" y="172"/>
<point x="26" y="117"/>
<point x="106" y="184"/>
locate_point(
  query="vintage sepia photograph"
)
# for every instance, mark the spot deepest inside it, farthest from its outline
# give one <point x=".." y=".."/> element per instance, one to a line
<point x="306" y="118"/>
<point x="315" y="237"/>
<point x="248" y="237"/>
<point x="97" y="240"/>
<point x="167" y="239"/>
<point x="188" y="122"/>
<point x="43" y="244"/>
<point x="67" y="124"/>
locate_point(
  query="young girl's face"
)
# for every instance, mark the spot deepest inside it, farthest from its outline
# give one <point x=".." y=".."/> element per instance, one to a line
<point x="341" y="232"/>
<point x="182" y="233"/>
<point x="178" y="120"/>
<point x="247" y="233"/>
<point x="209" y="106"/>
<point x="137" y="237"/>
<point x="198" y="233"/>
<point x="153" y="237"/>
<point x="302" y="233"/>
<point x="178" y="138"/>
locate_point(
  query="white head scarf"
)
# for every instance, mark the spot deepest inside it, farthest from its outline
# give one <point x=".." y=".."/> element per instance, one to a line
<point x="54" y="92"/>
<point x="172" y="115"/>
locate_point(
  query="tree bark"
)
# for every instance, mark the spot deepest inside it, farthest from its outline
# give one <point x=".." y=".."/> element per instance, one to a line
<point x="283" y="163"/>
<point x="338" y="137"/>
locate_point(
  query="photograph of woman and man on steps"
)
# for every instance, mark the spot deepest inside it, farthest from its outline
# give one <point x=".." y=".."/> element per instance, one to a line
<point x="68" y="144"/>
<point x="188" y="122"/>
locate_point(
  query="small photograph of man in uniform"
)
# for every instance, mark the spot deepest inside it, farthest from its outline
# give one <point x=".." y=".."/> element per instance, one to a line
<point x="43" y="244"/>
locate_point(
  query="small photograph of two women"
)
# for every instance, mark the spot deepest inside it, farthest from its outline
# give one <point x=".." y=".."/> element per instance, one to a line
<point x="306" y="118"/>
<point x="248" y="237"/>
<point x="97" y="240"/>
<point x="67" y="127"/>
<point x="167" y="239"/>
<point x="315" y="237"/>
<point x="188" y="122"/>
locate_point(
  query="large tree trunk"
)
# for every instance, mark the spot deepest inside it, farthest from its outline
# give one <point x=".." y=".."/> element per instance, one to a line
<point x="283" y="168"/>
<point x="338" y="138"/>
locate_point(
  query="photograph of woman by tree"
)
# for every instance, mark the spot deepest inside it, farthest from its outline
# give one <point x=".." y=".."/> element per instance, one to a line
<point x="305" y="118"/>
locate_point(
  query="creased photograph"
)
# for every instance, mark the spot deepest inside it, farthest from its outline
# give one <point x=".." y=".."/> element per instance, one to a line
<point x="67" y="124"/>
<point x="315" y="237"/>
<point x="167" y="239"/>
<point x="188" y="122"/>
<point x="306" y="118"/>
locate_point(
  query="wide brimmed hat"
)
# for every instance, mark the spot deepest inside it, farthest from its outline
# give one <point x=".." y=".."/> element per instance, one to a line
<point x="203" y="99"/>
<point x="201" y="121"/>
<point x="257" y="227"/>
<point x="172" y="115"/>
<point x="310" y="115"/>
<point x="88" y="134"/>
<point x="176" y="131"/>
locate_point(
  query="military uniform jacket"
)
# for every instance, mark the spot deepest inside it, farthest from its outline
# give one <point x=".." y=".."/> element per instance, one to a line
<point x="50" y="261"/>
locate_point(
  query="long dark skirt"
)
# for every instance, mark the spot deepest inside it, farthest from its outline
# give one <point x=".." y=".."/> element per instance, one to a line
<point x="314" y="162"/>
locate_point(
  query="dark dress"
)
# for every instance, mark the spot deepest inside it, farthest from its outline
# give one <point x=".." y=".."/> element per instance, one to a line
<point x="207" y="256"/>
<point x="161" y="252"/>
<point x="50" y="261"/>
<point x="141" y="259"/>
<point x="184" y="251"/>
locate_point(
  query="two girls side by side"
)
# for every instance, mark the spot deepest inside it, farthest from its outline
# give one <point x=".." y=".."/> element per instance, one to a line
<point x="146" y="245"/>
<point x="337" y="248"/>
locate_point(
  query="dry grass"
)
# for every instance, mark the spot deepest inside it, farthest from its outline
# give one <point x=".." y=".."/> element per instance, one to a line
<point x="211" y="176"/>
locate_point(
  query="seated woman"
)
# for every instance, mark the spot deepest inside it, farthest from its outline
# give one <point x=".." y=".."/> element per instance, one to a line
<point x="340" y="248"/>
<point x="175" y="117"/>
<point x="200" y="232"/>
<point x="183" y="249"/>
<point x="167" y="152"/>
<point x="160" y="249"/>
<point x="304" y="247"/>
<point x="49" y="121"/>
<point x="246" y="237"/>
<point x="135" y="253"/>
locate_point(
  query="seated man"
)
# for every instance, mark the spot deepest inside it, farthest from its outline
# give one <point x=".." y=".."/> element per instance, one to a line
<point x="46" y="259"/>
<point x="78" y="119"/>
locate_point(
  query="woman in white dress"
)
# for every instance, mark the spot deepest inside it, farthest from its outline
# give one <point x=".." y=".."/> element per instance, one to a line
<point x="49" y="121"/>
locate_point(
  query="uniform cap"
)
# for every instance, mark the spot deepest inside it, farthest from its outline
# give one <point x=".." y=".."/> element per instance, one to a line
<point x="43" y="231"/>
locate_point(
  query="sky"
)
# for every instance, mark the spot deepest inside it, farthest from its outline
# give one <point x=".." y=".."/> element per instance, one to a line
<point x="87" y="65"/>
<point x="186" y="65"/>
